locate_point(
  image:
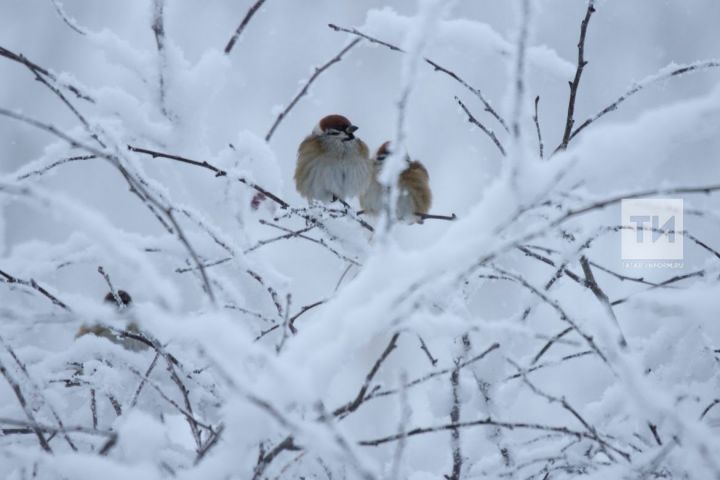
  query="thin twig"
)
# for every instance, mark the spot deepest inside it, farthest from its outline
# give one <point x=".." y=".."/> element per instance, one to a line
<point x="303" y="91"/>
<point x="575" y="83"/>
<point x="218" y="172"/>
<point x="541" y="147"/>
<point x="476" y="122"/>
<point x="602" y="298"/>
<point x="33" y="284"/>
<point x="248" y="16"/>
<point x="68" y="21"/>
<point x="436" y="67"/>
<point x="663" y="74"/>
<point x="353" y="404"/>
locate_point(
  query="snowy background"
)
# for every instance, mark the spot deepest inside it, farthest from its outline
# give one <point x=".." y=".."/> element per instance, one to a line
<point x="485" y="347"/>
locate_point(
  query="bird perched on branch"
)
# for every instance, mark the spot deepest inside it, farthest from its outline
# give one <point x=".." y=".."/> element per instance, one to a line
<point x="121" y="300"/>
<point x="332" y="163"/>
<point x="414" y="197"/>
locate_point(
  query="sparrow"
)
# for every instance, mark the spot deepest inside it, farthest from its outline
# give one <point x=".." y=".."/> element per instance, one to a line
<point x="332" y="163"/>
<point x="414" y="197"/>
<point x="102" y="331"/>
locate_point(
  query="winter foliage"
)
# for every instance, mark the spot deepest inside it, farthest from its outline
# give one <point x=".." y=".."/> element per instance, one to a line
<point x="148" y="147"/>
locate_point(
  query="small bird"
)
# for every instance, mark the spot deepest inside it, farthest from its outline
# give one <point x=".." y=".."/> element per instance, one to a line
<point x="332" y="163"/>
<point x="102" y="331"/>
<point x="414" y="197"/>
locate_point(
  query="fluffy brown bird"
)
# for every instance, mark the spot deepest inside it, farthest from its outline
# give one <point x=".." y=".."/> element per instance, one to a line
<point x="415" y="196"/>
<point x="332" y="162"/>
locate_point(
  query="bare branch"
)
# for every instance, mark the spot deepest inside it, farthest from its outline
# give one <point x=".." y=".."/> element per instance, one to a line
<point x="304" y="90"/>
<point x="476" y="122"/>
<point x="248" y="16"/>
<point x="68" y="21"/>
<point x="33" y="284"/>
<point x="663" y="74"/>
<point x="218" y="172"/>
<point x="541" y="147"/>
<point x="602" y="297"/>
<point x="26" y="408"/>
<point x="436" y="67"/>
<point x="353" y="405"/>
<point x="581" y="62"/>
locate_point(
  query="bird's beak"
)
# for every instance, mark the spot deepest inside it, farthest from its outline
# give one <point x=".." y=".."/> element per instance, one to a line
<point x="349" y="131"/>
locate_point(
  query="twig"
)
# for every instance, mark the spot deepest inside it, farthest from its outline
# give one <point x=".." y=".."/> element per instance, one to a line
<point x="286" y="327"/>
<point x="42" y="170"/>
<point x="709" y="407"/>
<point x="519" y="73"/>
<point x="602" y="298"/>
<point x="566" y="405"/>
<point x="581" y="62"/>
<point x="664" y="74"/>
<point x="158" y="28"/>
<point x="424" y="348"/>
<point x="144" y="380"/>
<point x="431" y="375"/>
<point x="38" y="391"/>
<point x="23" y="403"/>
<point x="302" y="312"/>
<point x="549" y="344"/>
<point x="248" y="16"/>
<point x="318" y="71"/>
<point x="209" y="444"/>
<point x="541" y="147"/>
<point x="218" y="172"/>
<point x="33" y="284"/>
<point x="121" y="305"/>
<point x="428" y="216"/>
<point x="436" y="67"/>
<point x="484" y="422"/>
<point x="93" y="408"/>
<point x="70" y="23"/>
<point x="455" y="413"/>
<point x="353" y="404"/>
<point x="476" y="122"/>
<point x="320" y="242"/>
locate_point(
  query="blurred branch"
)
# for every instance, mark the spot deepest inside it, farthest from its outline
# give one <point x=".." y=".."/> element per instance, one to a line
<point x="68" y="21"/>
<point x="575" y="84"/>
<point x="537" y="128"/>
<point x="25" y="407"/>
<point x="248" y="16"/>
<point x="429" y="216"/>
<point x="436" y="67"/>
<point x="304" y="90"/>
<point x="158" y="28"/>
<point x="484" y="422"/>
<point x="520" y="59"/>
<point x="602" y="298"/>
<point x="475" y="121"/>
<point x="37" y="392"/>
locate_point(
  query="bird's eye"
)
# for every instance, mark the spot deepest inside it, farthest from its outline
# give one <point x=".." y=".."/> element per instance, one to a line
<point x="332" y="132"/>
